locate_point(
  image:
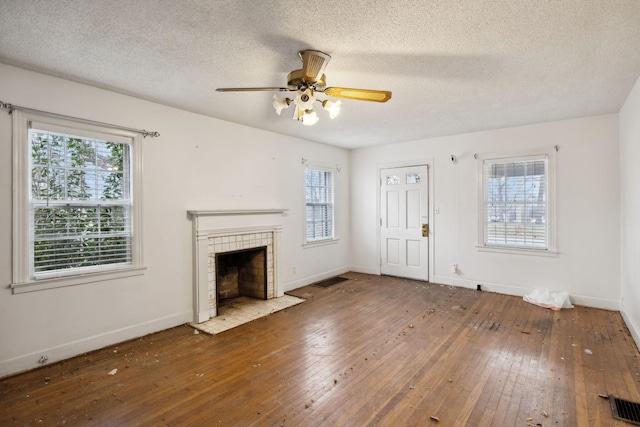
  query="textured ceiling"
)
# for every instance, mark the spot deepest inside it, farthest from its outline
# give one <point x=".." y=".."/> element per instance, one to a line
<point x="453" y="66"/>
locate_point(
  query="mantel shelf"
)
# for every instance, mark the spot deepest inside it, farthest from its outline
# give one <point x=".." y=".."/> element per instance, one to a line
<point x="229" y="212"/>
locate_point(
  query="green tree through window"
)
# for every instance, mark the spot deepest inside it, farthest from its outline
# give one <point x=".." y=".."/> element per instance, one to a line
<point x="81" y="201"/>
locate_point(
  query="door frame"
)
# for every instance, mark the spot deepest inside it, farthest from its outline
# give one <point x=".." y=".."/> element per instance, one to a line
<point x="431" y="209"/>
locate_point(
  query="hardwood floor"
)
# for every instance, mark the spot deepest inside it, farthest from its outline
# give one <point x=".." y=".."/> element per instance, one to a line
<point x="371" y="351"/>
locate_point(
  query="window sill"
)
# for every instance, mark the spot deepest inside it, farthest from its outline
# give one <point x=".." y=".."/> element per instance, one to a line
<point x="518" y="251"/>
<point x="73" y="280"/>
<point x="320" y="243"/>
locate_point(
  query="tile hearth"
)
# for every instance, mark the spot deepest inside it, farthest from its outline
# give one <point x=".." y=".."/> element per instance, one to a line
<point x="244" y="310"/>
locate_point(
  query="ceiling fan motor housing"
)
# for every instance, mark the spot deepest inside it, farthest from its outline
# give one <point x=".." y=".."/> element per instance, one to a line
<point x="296" y="80"/>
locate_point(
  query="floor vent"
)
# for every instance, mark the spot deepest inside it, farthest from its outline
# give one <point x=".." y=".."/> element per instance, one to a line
<point x="625" y="410"/>
<point x="330" y="282"/>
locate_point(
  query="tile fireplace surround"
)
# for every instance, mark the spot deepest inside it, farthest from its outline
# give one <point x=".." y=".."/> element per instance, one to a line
<point x="220" y="231"/>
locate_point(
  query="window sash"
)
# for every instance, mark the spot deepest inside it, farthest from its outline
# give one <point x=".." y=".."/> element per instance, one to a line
<point x="80" y="212"/>
<point x="79" y="237"/>
<point x="515" y="202"/>
<point x="319" y="188"/>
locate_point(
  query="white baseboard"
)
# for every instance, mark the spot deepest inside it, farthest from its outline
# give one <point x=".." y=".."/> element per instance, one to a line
<point x="633" y="328"/>
<point x="587" y="301"/>
<point x="462" y="283"/>
<point x="365" y="270"/>
<point x="289" y="286"/>
<point x="75" y="348"/>
<point x="605" y="304"/>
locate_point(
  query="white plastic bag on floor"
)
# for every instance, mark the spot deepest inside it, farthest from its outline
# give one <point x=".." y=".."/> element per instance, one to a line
<point x="549" y="299"/>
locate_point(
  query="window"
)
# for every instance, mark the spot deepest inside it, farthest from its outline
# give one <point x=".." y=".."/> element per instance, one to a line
<point x="516" y="202"/>
<point x="319" y="204"/>
<point x="75" y="201"/>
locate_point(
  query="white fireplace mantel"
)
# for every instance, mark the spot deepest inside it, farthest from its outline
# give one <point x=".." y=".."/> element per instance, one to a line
<point x="221" y="212"/>
<point x="211" y="224"/>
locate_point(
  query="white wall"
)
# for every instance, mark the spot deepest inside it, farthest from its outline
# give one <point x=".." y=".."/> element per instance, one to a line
<point x="588" y="209"/>
<point x="630" y="210"/>
<point x="197" y="163"/>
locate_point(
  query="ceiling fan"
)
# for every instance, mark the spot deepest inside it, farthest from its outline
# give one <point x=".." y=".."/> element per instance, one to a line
<point x="307" y="82"/>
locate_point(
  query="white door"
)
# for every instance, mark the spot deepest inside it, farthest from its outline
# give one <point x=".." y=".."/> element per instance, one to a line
<point x="404" y="222"/>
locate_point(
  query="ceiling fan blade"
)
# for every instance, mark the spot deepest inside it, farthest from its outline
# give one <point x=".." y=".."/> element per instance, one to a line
<point x="358" y="94"/>
<point x="252" y="89"/>
<point x="313" y="64"/>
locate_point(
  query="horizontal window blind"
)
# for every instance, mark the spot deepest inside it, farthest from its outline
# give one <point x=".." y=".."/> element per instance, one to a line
<point x="81" y="206"/>
<point x="515" y="203"/>
<point x="319" y="204"/>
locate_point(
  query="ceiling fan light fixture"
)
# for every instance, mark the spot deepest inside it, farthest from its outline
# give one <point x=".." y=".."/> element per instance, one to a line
<point x="280" y="103"/>
<point x="305" y="99"/>
<point x="333" y="107"/>
<point x="309" y="118"/>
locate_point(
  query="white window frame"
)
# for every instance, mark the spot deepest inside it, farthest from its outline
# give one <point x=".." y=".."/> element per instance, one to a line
<point x="550" y="215"/>
<point x="23" y="277"/>
<point x="325" y="240"/>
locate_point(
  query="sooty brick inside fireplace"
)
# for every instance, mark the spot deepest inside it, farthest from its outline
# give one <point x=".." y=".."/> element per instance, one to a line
<point x="242" y="273"/>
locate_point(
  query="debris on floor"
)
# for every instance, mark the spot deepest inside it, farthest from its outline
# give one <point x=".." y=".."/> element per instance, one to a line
<point x="113" y="372"/>
<point x="555" y="300"/>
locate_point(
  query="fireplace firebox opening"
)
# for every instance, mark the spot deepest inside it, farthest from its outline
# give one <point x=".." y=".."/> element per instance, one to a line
<point x="241" y="273"/>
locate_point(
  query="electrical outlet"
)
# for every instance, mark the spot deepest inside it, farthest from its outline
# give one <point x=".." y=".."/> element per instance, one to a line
<point x="294" y="270"/>
<point x="454" y="268"/>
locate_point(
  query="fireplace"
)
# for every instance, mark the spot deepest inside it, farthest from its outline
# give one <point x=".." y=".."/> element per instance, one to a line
<point x="221" y="233"/>
<point x="241" y="273"/>
<point x="237" y="244"/>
